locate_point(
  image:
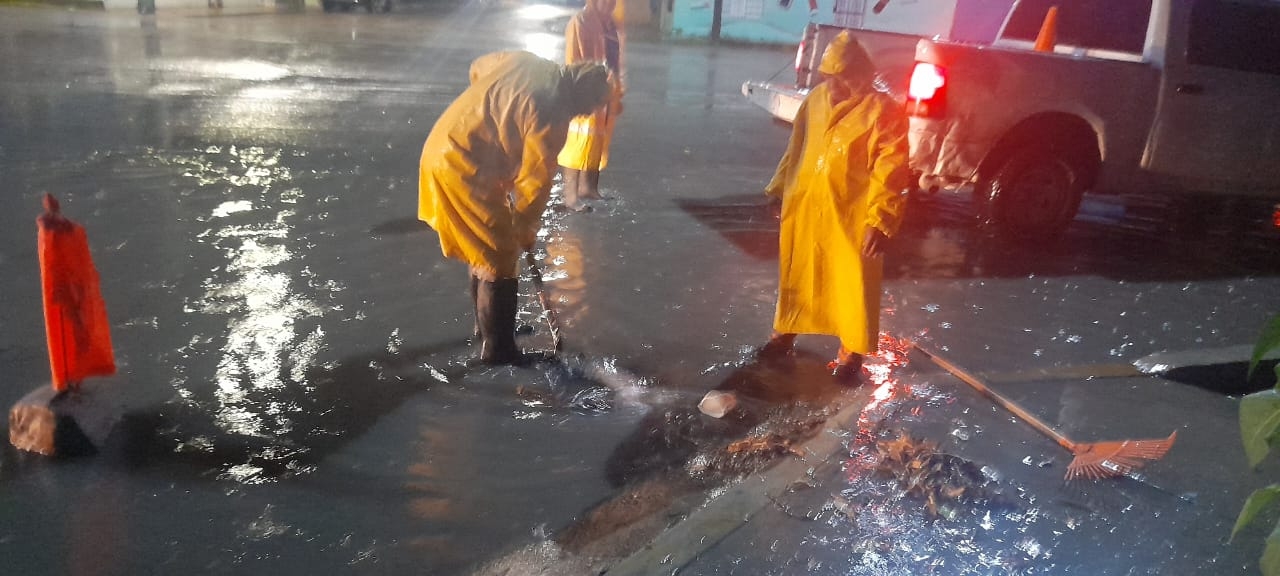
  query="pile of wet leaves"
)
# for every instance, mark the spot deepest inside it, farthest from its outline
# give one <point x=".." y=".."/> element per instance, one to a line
<point x="781" y="433"/>
<point x="944" y="482"/>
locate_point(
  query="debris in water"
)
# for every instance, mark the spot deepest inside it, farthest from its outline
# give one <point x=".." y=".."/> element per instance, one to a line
<point x="593" y="400"/>
<point x="941" y="479"/>
<point x="716" y="403"/>
<point x="768" y="444"/>
<point x="533" y="398"/>
<point x="843" y="506"/>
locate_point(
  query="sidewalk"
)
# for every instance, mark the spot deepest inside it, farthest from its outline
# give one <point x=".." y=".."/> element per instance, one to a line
<point x="838" y="514"/>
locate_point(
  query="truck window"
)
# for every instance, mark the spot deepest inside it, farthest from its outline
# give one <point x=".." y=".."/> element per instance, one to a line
<point x="1118" y="25"/>
<point x="1236" y="34"/>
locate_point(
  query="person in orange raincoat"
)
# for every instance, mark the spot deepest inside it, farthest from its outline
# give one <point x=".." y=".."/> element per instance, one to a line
<point x="486" y="170"/>
<point x="591" y="36"/>
<point x="840" y="183"/>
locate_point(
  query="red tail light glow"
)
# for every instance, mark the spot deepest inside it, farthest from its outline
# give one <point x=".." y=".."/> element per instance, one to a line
<point x="926" y="93"/>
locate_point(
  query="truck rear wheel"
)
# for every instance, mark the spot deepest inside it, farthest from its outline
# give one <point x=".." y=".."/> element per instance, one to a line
<point x="1033" y="195"/>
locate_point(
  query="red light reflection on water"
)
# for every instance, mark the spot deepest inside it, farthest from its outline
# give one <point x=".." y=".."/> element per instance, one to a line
<point x="880" y="367"/>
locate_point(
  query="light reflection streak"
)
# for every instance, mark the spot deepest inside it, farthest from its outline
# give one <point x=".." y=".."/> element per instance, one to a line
<point x="250" y="70"/>
<point x="263" y="350"/>
<point x="544" y="12"/>
<point x="546" y="45"/>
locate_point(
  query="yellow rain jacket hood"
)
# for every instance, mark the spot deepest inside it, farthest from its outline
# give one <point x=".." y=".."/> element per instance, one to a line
<point x="486" y="169"/>
<point x="845" y="58"/>
<point x="843" y="172"/>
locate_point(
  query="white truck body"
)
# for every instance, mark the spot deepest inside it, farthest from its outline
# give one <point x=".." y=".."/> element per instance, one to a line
<point x="1146" y="95"/>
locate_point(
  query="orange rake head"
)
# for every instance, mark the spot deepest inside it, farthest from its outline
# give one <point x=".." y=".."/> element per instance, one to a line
<point x="1111" y="459"/>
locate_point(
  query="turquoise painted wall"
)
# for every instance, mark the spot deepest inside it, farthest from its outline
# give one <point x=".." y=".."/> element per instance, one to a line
<point x="774" y="21"/>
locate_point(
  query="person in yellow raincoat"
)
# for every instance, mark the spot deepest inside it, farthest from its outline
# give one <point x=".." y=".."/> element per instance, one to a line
<point x="486" y="171"/>
<point x="840" y="184"/>
<point x="591" y="36"/>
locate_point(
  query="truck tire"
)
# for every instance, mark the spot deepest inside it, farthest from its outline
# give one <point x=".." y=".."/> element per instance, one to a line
<point x="1033" y="195"/>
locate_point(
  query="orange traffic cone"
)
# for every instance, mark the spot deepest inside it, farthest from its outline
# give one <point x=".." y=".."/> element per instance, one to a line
<point x="1048" y="31"/>
<point x="75" y="317"/>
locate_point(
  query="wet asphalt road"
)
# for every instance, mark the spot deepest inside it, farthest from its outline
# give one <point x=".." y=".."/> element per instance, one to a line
<point x="290" y="340"/>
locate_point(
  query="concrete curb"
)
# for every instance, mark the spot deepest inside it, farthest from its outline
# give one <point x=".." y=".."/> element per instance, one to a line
<point x="701" y="530"/>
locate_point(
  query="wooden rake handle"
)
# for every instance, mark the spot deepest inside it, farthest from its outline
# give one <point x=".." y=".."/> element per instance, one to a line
<point x="552" y="322"/>
<point x="1017" y="410"/>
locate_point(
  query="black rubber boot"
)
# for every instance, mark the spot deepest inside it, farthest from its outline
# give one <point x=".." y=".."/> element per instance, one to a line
<point x="778" y="347"/>
<point x="475" y="308"/>
<point x="847" y="370"/>
<point x="496" y="307"/>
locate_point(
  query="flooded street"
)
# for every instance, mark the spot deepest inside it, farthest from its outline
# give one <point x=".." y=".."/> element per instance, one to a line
<point x="293" y="384"/>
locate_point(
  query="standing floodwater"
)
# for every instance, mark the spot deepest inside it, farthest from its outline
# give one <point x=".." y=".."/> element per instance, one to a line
<point x="293" y="351"/>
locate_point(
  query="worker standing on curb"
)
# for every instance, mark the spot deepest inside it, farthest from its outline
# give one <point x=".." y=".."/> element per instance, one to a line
<point x="840" y="185"/>
<point x="591" y="36"/>
<point x="486" y="170"/>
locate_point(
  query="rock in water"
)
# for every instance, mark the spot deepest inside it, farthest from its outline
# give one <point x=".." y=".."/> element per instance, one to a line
<point x="71" y="424"/>
<point x="716" y="403"/>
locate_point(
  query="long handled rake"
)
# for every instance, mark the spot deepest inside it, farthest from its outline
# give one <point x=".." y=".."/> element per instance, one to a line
<point x="1092" y="460"/>
<point x="552" y="322"/>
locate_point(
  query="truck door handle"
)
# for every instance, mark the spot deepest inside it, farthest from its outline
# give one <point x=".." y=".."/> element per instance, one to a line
<point x="1190" y="89"/>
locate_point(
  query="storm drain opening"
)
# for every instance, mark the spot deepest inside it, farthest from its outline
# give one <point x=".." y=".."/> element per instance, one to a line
<point x="1228" y="379"/>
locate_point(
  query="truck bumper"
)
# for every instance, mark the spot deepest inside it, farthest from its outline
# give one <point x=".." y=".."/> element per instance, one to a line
<point x="781" y="100"/>
<point x="941" y="159"/>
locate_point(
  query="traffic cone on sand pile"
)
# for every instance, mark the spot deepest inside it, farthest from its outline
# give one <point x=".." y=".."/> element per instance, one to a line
<point x="1048" y="36"/>
<point x="48" y="420"/>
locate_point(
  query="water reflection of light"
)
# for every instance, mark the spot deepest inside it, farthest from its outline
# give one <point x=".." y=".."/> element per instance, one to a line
<point x="248" y="70"/>
<point x="229" y="208"/>
<point x="891" y="355"/>
<point x="543" y="12"/>
<point x="263" y="349"/>
<point x="549" y="46"/>
<point x="251" y="70"/>
<point x="268" y="93"/>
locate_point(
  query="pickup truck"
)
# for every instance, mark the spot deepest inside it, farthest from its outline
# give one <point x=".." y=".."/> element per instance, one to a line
<point x="1136" y="96"/>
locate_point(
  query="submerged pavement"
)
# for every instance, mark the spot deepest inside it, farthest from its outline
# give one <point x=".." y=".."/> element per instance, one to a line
<point x="291" y="344"/>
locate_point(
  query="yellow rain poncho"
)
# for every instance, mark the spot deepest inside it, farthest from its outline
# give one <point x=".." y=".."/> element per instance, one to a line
<point x="843" y="173"/>
<point x="592" y="36"/>
<point x="486" y="169"/>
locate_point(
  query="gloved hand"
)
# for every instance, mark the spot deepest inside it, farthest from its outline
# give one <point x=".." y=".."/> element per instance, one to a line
<point x="775" y="207"/>
<point x="873" y="243"/>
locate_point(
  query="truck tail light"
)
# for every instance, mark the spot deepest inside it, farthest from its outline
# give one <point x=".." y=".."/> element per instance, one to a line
<point x="926" y="94"/>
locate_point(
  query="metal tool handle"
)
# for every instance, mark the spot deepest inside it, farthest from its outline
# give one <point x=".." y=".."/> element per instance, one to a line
<point x="553" y="323"/>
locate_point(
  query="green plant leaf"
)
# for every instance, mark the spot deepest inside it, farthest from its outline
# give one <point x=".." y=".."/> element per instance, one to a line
<point x="1270" y="563"/>
<point x="1260" y="500"/>
<point x="1269" y="341"/>
<point x="1259" y="424"/>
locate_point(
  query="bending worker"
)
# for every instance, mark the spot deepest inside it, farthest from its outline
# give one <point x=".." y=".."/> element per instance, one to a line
<point x="486" y="171"/>
<point x="591" y="36"/>
<point x="840" y="183"/>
